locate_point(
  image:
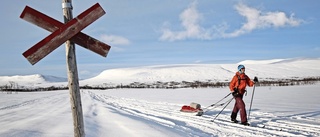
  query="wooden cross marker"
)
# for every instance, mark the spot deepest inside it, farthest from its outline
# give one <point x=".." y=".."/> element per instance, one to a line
<point x="35" y="17"/>
<point x="63" y="32"/>
<point x="68" y="33"/>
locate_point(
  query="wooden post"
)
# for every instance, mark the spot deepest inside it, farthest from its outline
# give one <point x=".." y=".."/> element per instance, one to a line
<point x="73" y="80"/>
<point x="70" y="30"/>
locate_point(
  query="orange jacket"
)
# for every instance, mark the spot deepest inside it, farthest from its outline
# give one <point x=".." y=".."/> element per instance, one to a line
<point x="244" y="81"/>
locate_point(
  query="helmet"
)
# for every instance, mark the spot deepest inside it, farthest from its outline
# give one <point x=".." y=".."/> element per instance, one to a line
<point x="240" y="67"/>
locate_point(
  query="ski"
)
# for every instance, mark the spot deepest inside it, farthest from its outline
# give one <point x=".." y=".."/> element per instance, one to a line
<point x="239" y="123"/>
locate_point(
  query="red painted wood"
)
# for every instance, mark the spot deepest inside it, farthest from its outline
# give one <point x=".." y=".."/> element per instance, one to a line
<point x="60" y="35"/>
<point x="35" y="17"/>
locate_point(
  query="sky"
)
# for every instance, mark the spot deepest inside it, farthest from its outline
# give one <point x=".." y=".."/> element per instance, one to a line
<point x="144" y="33"/>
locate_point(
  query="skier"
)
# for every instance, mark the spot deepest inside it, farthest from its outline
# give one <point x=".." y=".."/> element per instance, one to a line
<point x="238" y="88"/>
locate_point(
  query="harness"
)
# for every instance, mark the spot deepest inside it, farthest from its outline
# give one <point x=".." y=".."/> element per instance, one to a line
<point x="239" y="83"/>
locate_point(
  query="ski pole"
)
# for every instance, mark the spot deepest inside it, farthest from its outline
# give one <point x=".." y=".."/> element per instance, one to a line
<point x="251" y="102"/>
<point x="222" y="109"/>
<point x="219" y="101"/>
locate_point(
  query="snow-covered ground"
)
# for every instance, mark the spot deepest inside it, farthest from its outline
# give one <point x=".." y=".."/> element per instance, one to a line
<point x="284" y="111"/>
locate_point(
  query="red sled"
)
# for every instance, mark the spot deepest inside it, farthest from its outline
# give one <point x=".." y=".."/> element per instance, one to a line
<point x="193" y="108"/>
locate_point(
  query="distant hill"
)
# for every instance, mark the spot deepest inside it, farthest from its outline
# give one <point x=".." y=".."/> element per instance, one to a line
<point x="264" y="69"/>
<point x="31" y="80"/>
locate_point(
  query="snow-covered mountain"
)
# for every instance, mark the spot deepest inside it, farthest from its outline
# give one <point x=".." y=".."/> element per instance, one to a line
<point x="30" y="80"/>
<point x="263" y="69"/>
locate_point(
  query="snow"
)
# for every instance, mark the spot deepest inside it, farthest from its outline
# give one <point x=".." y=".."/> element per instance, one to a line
<point x="272" y="61"/>
<point x="30" y="80"/>
<point x="284" y="111"/>
<point x="276" y="111"/>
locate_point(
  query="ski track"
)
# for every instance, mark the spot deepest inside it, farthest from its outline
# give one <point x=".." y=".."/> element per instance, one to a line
<point x="168" y="114"/>
<point x="35" y="118"/>
<point x="29" y="117"/>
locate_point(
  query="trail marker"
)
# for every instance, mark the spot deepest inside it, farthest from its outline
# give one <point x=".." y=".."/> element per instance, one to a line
<point x="68" y="33"/>
<point x="35" y="17"/>
<point x="63" y="32"/>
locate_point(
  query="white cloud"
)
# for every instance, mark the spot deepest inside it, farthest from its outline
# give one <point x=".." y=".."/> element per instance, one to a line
<point x="190" y="20"/>
<point x="257" y="19"/>
<point x="115" y="40"/>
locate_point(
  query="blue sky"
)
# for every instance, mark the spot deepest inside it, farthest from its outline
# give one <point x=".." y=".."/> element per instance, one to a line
<point x="157" y="32"/>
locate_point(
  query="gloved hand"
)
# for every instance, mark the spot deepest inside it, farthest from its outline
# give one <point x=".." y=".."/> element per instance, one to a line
<point x="235" y="92"/>
<point x="255" y="79"/>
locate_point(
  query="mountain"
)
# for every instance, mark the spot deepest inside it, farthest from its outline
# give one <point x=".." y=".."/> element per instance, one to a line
<point x="30" y="80"/>
<point x="263" y="69"/>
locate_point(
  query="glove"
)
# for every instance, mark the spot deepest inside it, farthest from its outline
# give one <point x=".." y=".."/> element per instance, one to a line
<point x="235" y="92"/>
<point x="255" y="79"/>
